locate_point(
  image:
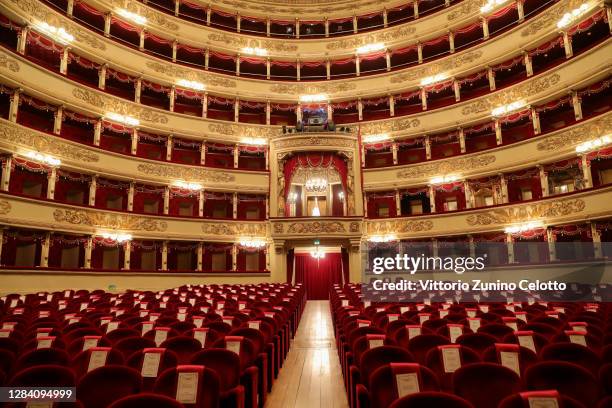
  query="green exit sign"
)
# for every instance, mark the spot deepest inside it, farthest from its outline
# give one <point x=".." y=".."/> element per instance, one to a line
<point x="317" y="242"/>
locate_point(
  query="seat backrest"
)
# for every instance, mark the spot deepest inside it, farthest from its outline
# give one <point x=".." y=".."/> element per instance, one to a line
<point x="241" y="346"/>
<point x="150" y="362"/>
<point x="44" y="376"/>
<point x="44" y="356"/>
<point x="194" y="386"/>
<point x="573" y="353"/>
<point x="93" y="358"/>
<point x="184" y="347"/>
<point x="478" y="342"/>
<point x="508" y="354"/>
<point x="146" y="401"/>
<point x="567" y="378"/>
<point x="605" y="378"/>
<point x="379" y="356"/>
<point x="129" y="345"/>
<point x="445" y="360"/>
<point x="386" y="383"/>
<point x="430" y="400"/>
<point x="522" y="399"/>
<point x="224" y="362"/>
<point x="485" y="384"/>
<point x="104" y="385"/>
<point x="420" y="345"/>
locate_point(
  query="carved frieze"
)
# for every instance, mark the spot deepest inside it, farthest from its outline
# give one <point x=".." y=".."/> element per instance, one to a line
<point x="185" y="173"/>
<point x="383" y="36"/>
<point x="464" y="9"/>
<point x="436" y="68"/>
<point x="230" y="129"/>
<point x="315" y="227"/>
<point x="9" y="63"/>
<point x="5" y="207"/>
<point x="447" y="166"/>
<point x="236" y="40"/>
<point x="398" y="226"/>
<point x="314" y="141"/>
<point x="178" y="72"/>
<point x="395" y="125"/>
<point x="508" y="215"/>
<point x="99" y="219"/>
<point x="41" y="142"/>
<point x="298" y="89"/>
<point x="577" y="135"/>
<point x="550" y="17"/>
<point x="234" y="229"/>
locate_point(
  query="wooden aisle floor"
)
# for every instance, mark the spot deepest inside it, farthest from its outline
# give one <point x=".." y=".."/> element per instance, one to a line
<point x="311" y="376"/>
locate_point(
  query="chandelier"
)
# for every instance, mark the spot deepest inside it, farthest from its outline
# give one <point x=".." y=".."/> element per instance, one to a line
<point x="252" y="243"/>
<point x="316" y="184"/>
<point x="118" y="237"/>
<point x="317" y="253"/>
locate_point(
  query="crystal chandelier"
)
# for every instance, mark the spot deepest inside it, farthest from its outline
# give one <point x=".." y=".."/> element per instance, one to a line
<point x="316" y="184"/>
<point x="317" y="253"/>
<point x="252" y="243"/>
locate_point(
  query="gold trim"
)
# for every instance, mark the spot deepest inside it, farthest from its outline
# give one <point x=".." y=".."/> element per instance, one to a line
<point x="108" y="220"/>
<point x="528" y="212"/>
<point x="447" y="166"/>
<point x="185" y="173"/>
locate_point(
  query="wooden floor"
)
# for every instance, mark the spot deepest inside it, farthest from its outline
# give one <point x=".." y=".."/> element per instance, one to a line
<point x="311" y="375"/>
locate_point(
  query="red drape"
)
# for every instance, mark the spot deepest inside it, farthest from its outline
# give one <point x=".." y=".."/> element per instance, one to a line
<point x="290" y="258"/>
<point x="318" y="275"/>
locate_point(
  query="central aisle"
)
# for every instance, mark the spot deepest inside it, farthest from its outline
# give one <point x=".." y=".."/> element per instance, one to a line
<point x="311" y="375"/>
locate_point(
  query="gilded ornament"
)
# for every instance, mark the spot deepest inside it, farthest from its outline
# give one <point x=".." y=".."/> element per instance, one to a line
<point x="9" y="63"/>
<point x="354" y="226"/>
<point x="464" y="9"/>
<point x="394" y="125"/>
<point x="298" y="89"/>
<point x="314" y="141"/>
<point x="450" y="63"/>
<point x="231" y="129"/>
<point x="315" y="227"/>
<point x="99" y="219"/>
<point x="585" y="132"/>
<point x="550" y="17"/>
<point x="447" y="166"/>
<point x="384" y="36"/>
<point x="185" y="173"/>
<point x="278" y="227"/>
<point x="398" y="226"/>
<point x="5" y="207"/>
<point x="189" y="74"/>
<point x="551" y="209"/>
<point x="242" y="42"/>
<point x="234" y="228"/>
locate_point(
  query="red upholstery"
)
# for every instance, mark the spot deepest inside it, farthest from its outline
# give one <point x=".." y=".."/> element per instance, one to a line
<point x="430" y="400"/>
<point x="102" y="386"/>
<point x="44" y="376"/>
<point x="167" y="360"/>
<point x="82" y="363"/>
<point x="435" y="361"/>
<point x="43" y="356"/>
<point x="207" y="389"/>
<point x="184" y="347"/>
<point x="146" y="401"/>
<point x="469" y="380"/>
<point x="520" y="400"/>
<point x="383" y="388"/>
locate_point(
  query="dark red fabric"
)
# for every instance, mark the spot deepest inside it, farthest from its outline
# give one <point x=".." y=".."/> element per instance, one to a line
<point x="318" y="274"/>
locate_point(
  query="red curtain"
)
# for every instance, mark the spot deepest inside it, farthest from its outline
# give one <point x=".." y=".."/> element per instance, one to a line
<point x="290" y="258"/>
<point x="314" y="160"/>
<point x="318" y="275"/>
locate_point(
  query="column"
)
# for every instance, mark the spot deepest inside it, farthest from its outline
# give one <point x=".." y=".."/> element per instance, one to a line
<point x="498" y="132"/>
<point x="394" y="152"/>
<point x="577" y="104"/>
<point x="298" y="112"/>
<point x="70" y="8"/>
<point x="423" y="98"/>
<point x="330" y="112"/>
<point x="326" y="27"/>
<point x="267" y="27"/>
<point x="236" y="156"/>
<point x="141" y="40"/>
<point x="363" y="155"/>
<point x="521" y="10"/>
<point x="596" y="236"/>
<point x="267" y="158"/>
<point x="166" y="200"/>
<point x="130" y="200"/>
<point x="6" y="172"/>
<point x="88" y="248"/>
<point x="51" y="179"/>
<point x="127" y="251"/>
<point x="357" y="65"/>
<point x="203" y="153"/>
<point x="134" y="147"/>
<point x="485" y="28"/>
<point x="208" y="13"/>
<point x="238" y="65"/>
<point x="102" y="76"/>
<point x="268" y="257"/>
<point x="415" y="5"/>
<point x="64" y="61"/>
<point x="543" y="181"/>
<point x="385" y="19"/>
<point x="388" y="59"/>
<point x="355" y="24"/>
<point x="238" y="21"/>
<point x="236" y="110"/>
<point x="200" y="255"/>
<point x="391" y="105"/>
<point x="177" y="6"/>
<point x="234" y="257"/>
<point x="420" y="52"/>
<point x="510" y="247"/>
<point x="457" y="90"/>
<point x="169" y="146"/>
<point x="201" y="203"/>
<point x="567" y="45"/>
<point x="427" y="148"/>
<point x="467" y="192"/>
<point x="107" y="23"/>
<point x="434" y="247"/>
<point x="22" y="40"/>
<point x="172" y="97"/>
<point x="504" y="188"/>
<point x="58" y="119"/>
<point x="360" y="109"/>
<point x="206" y="58"/>
<point x="235" y="205"/>
<point x="528" y="64"/>
<point x="550" y="238"/>
<point x="268" y="68"/>
<point x="44" y="251"/>
<point x="535" y="120"/>
<point x="586" y="171"/>
<point x="205" y="105"/>
<point x="462" y="140"/>
<point x="491" y="77"/>
<point x="267" y="207"/>
<point x="1" y="240"/>
<point x="472" y="246"/>
<point x="14" y="107"/>
<point x="328" y="69"/>
<point x="138" y="90"/>
<point x="268" y="112"/>
<point x="298" y="70"/>
<point x="93" y="186"/>
<point x="432" y="198"/>
<point x="297" y="28"/>
<point x="365" y="206"/>
<point x="451" y="41"/>
<point x="398" y="204"/>
<point x="609" y="17"/>
<point x="164" y="260"/>
<point x="97" y="132"/>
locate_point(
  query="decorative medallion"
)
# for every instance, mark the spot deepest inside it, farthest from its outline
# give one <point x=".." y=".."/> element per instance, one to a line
<point x="447" y="166"/>
<point x="522" y="213"/>
<point x="99" y="219"/>
<point x="185" y="173"/>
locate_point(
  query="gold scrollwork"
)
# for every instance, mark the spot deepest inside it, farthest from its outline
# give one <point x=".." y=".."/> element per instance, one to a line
<point x="384" y="36"/>
<point x="297" y="89"/>
<point x="447" y="166"/>
<point x="239" y="130"/>
<point x="528" y="212"/>
<point x="9" y="63"/>
<point x="185" y="173"/>
<point x="5" y="207"/>
<point x="550" y="17"/>
<point x="398" y="226"/>
<point x="395" y="125"/>
<point x="108" y="220"/>
<point x="234" y="229"/>
<point x="448" y="64"/>
<point x="184" y="73"/>
<point x="314" y="141"/>
<point x="315" y="227"/>
<point x="464" y="9"/>
<point x="577" y="135"/>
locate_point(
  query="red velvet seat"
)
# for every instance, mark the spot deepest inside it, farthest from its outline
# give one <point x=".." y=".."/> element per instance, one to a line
<point x="44" y="376"/>
<point x="205" y="394"/>
<point x="526" y="358"/>
<point x="522" y="399"/>
<point x="572" y="353"/>
<point x="485" y="385"/>
<point x="420" y="345"/>
<point x="605" y="378"/>
<point x="567" y="378"/>
<point x="104" y="385"/>
<point x="93" y="358"/>
<point x="150" y="366"/>
<point x="184" y="347"/>
<point x="43" y="356"/>
<point x="444" y="368"/>
<point x="431" y="400"/>
<point x="146" y="401"/>
<point x="383" y="385"/>
<point x="227" y="366"/>
<point x="130" y="345"/>
<point x="80" y="344"/>
<point x="478" y="342"/>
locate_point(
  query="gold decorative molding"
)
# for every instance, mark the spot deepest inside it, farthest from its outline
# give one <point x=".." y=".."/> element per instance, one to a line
<point x="442" y="66"/>
<point x="577" y="135"/>
<point x="153" y="16"/>
<point x="521" y="91"/>
<point x="466" y="8"/>
<point x="398" y="226"/>
<point x="315" y="227"/>
<point x="550" y="16"/>
<point x="113" y="105"/>
<point x="522" y="213"/>
<point x="9" y="63"/>
<point x="384" y="36"/>
<point x="298" y="89"/>
<point x="111" y="221"/>
<point x="177" y="72"/>
<point x="231" y="129"/>
<point x="227" y="228"/>
<point x="185" y="173"/>
<point x="314" y="141"/>
<point x="395" y="125"/>
<point x="5" y="207"/>
<point x="298" y="9"/>
<point x="41" y="142"/>
<point x="236" y="40"/>
<point x="447" y="166"/>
